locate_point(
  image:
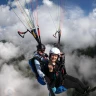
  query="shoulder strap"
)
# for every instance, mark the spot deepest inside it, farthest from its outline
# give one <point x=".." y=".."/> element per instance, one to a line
<point x="37" y="58"/>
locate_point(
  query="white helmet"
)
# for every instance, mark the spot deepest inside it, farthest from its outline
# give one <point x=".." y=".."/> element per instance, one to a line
<point x="54" y="50"/>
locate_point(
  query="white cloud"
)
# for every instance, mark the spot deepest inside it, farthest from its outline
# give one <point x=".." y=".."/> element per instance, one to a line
<point x="81" y="67"/>
<point x="13" y="84"/>
<point x="20" y="2"/>
<point x="87" y="67"/>
<point x="93" y="14"/>
<point x="8" y="17"/>
<point x="78" y="30"/>
<point x="48" y="2"/>
<point x="8" y="51"/>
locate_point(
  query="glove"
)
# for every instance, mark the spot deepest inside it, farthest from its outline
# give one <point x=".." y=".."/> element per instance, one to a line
<point x="46" y="55"/>
<point x="47" y="79"/>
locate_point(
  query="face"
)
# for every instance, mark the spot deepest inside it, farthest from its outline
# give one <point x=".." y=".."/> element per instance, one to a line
<point x="41" y="52"/>
<point x="53" y="58"/>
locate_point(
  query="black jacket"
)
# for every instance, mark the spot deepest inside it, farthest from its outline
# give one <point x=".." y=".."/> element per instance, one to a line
<point x="56" y="77"/>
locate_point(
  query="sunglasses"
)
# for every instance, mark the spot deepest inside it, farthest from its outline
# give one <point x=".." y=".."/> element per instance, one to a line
<point x="42" y="50"/>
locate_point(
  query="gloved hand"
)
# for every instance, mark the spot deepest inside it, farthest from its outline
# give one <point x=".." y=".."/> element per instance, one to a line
<point x="46" y="55"/>
<point x="47" y="79"/>
<point x="50" y="66"/>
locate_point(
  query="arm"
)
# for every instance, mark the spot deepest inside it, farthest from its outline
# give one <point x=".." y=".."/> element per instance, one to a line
<point x="40" y="73"/>
<point x="38" y="68"/>
<point x="62" y="62"/>
<point x="62" y="58"/>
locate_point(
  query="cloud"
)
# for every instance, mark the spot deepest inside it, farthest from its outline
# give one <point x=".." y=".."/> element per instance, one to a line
<point x="48" y="2"/>
<point x="8" y="51"/>
<point x="8" y="17"/>
<point x="12" y="83"/>
<point x="87" y="67"/>
<point x="82" y="67"/>
<point x="74" y="25"/>
<point x="78" y="31"/>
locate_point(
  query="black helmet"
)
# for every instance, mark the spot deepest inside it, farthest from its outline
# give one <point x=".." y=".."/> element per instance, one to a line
<point x="41" y="47"/>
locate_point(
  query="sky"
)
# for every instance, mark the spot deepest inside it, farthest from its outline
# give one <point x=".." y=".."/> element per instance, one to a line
<point x="86" y="5"/>
<point x="78" y="26"/>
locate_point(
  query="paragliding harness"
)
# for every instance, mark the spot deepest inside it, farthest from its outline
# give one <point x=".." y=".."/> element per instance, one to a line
<point x="61" y="71"/>
<point x="61" y="59"/>
<point x="38" y="39"/>
<point x="33" y="67"/>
